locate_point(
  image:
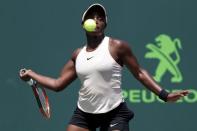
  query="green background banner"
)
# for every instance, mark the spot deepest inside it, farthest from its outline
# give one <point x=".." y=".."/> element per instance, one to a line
<point x="42" y="35"/>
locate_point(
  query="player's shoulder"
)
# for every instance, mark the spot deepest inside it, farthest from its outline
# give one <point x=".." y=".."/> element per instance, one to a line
<point x="118" y="43"/>
<point x="75" y="53"/>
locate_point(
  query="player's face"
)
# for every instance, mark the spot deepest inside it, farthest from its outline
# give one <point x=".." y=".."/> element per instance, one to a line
<point x="100" y="21"/>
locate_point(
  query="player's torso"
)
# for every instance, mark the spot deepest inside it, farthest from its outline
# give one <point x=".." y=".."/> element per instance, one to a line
<point x="100" y="76"/>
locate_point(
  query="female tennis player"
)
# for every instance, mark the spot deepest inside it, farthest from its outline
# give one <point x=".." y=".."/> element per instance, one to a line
<point x="98" y="65"/>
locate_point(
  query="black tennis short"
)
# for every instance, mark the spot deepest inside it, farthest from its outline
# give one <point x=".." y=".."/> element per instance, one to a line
<point x="117" y="119"/>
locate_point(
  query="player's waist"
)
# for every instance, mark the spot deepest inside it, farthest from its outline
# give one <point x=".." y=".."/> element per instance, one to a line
<point x="99" y="104"/>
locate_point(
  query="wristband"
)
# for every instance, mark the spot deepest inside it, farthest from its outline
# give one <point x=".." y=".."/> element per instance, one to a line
<point x="163" y="95"/>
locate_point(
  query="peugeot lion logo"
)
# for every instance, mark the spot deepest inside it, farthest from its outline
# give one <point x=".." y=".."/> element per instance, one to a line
<point x="163" y="49"/>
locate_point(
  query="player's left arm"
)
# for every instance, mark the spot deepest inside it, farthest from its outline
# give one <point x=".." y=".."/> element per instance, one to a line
<point x="128" y="59"/>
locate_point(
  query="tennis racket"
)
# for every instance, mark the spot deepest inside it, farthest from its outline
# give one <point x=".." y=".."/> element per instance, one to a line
<point x="40" y="95"/>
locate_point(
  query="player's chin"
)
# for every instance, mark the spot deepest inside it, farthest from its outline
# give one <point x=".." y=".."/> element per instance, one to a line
<point x="95" y="33"/>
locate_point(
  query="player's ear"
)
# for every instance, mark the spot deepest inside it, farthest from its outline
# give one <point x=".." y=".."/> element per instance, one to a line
<point x="82" y="24"/>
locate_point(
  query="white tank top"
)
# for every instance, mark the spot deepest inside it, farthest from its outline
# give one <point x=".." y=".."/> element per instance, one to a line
<point x="100" y="77"/>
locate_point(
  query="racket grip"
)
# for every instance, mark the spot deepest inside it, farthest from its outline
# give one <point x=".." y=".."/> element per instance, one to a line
<point x="30" y="82"/>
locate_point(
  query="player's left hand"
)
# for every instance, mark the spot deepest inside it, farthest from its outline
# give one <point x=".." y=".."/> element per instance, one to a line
<point x="23" y="73"/>
<point x="174" y="96"/>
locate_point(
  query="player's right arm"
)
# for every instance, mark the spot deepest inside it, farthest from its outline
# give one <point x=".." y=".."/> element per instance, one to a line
<point x="67" y="75"/>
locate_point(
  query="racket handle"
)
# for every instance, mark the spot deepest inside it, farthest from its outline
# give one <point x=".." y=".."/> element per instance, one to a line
<point x="30" y="82"/>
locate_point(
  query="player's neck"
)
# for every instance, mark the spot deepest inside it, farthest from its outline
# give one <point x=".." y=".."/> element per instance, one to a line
<point x="94" y="41"/>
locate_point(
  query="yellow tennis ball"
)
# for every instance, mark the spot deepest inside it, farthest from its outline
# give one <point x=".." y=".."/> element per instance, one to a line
<point x="89" y="25"/>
